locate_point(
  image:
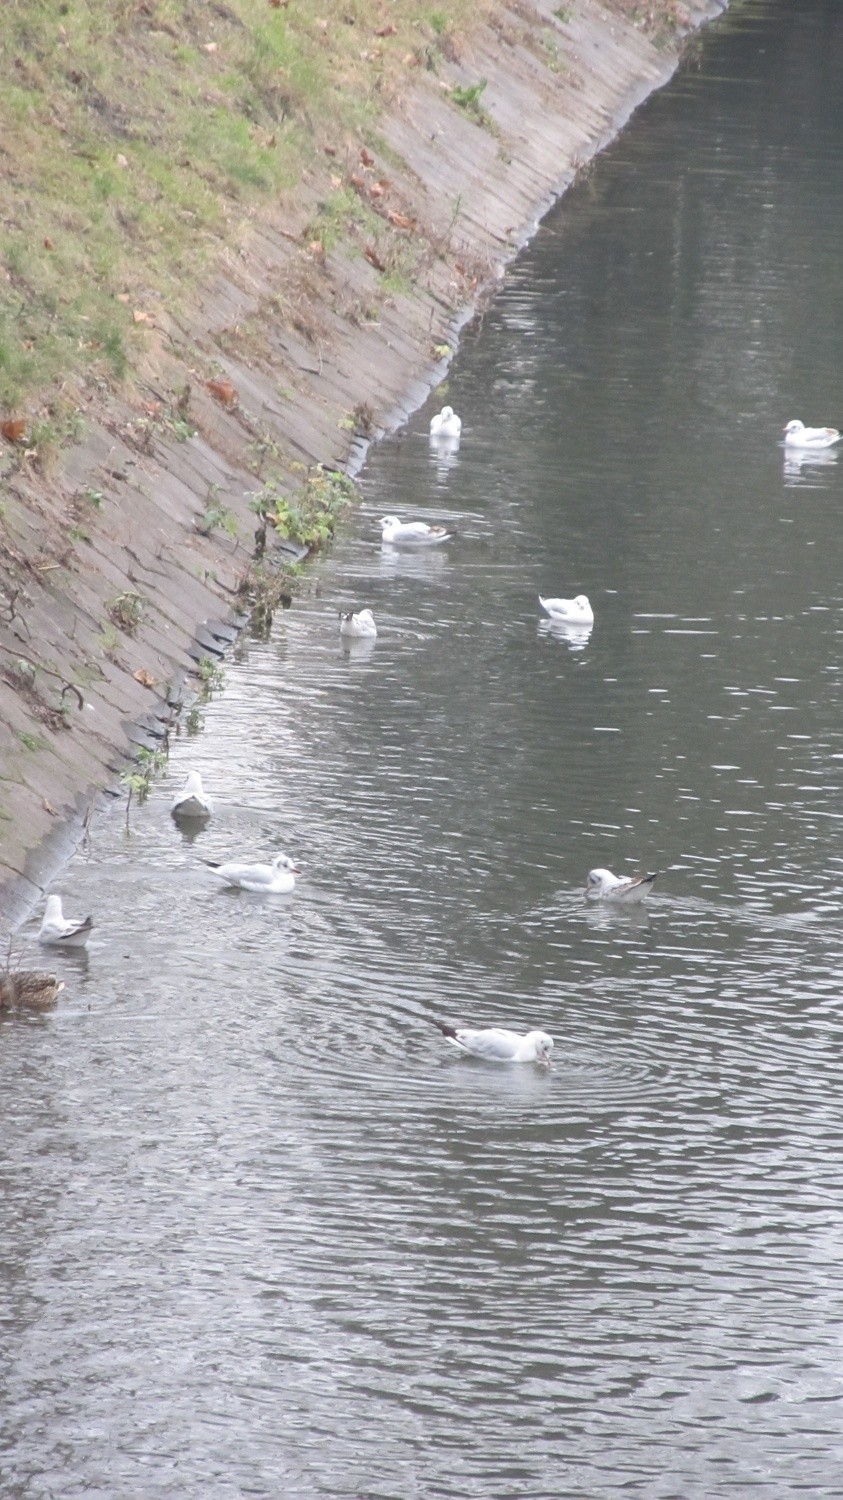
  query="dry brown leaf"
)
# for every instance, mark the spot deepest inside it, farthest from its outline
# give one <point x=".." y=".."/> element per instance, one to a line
<point x="48" y="244"/>
<point x="209" y="47"/>
<point x="400" y="221"/>
<point x="121" y="160"/>
<point x="366" y="157"/>
<point x="390" y="29"/>
<point x="141" y="317"/>
<point x="330" y="150"/>
<point x="373" y="258"/>
<point x="145" y="678"/>
<point x="377" y="190"/>
<point x="224" y="391"/>
<point x="13" y="429"/>
<point x="48" y="808"/>
<point x="335" y="180"/>
<point x="358" y="182"/>
<point x="123" y="296"/>
<point x="317" y="248"/>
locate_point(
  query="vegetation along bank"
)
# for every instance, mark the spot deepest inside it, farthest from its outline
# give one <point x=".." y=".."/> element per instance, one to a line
<point x="237" y="242"/>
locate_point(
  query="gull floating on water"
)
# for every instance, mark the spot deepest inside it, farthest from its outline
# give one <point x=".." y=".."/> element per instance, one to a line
<point x="29" y="989"/>
<point x="411" y="533"/>
<point x="572" y="611"/>
<point x="446" y="424"/>
<point x="498" y="1045"/>
<point x="603" y="885"/>
<point x="58" y="930"/>
<point x="192" y="801"/>
<point x="358" y="626"/>
<point x="797" y="435"/>
<point x="278" y="878"/>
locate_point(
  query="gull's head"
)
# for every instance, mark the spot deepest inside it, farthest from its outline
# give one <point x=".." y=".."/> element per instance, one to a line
<point x="53" y="908"/>
<point x="365" y="617"/>
<point x="597" y="879"/>
<point x="795" y="426"/>
<point x="582" y="603"/>
<point x="390" y="521"/>
<point x="283" y="862"/>
<point x="544" y="1046"/>
<point x="446" y="413"/>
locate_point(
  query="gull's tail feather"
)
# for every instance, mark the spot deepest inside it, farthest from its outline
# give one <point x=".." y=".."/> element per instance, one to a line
<point x="446" y="1029"/>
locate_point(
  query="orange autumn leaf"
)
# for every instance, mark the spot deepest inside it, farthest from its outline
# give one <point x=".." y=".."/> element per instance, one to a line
<point x="377" y="190"/>
<point x="358" y="182"/>
<point x="400" y="221"/>
<point x="224" y="391"/>
<point x="390" y="29"/>
<point x="141" y="317"/>
<point x="145" y="678"/>
<point x="366" y="157"/>
<point x="13" y="429"/>
<point x="373" y="258"/>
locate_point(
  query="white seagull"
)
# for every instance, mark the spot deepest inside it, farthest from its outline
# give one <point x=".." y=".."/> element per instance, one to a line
<point x="61" y="932"/>
<point x="278" y="878"/>
<point x="604" y="886"/>
<point x="192" y="801"/>
<point x="572" y="611"/>
<point x="797" y="435"/>
<point x="446" y="423"/>
<point x="499" y="1045"/>
<point x="358" y="626"/>
<point x="411" y="533"/>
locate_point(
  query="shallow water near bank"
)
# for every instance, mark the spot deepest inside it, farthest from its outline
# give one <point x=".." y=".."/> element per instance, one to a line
<point x="265" y="1232"/>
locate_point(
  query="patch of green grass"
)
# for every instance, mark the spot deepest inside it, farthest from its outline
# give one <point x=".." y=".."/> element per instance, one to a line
<point x="139" y="137"/>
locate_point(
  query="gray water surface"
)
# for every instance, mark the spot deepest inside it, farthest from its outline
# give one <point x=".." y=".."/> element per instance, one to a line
<point x="264" y="1232"/>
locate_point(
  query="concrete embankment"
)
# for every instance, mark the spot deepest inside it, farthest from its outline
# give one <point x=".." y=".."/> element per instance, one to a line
<point x="122" y="561"/>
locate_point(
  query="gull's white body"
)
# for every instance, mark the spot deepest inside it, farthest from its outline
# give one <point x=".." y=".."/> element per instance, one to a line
<point x="496" y="1044"/>
<point x="572" y="611"/>
<point x="277" y="878"/>
<point x="797" y="435"/>
<point x="359" y="626"/>
<point x="61" y="932"/>
<point x="411" y="533"/>
<point x="192" y="801"/>
<point x="604" y="886"/>
<point x="446" y="424"/>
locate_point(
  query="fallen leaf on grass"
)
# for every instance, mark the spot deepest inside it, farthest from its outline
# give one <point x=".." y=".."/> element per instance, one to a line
<point x="48" y="244"/>
<point x="224" y="391"/>
<point x="145" y="678"/>
<point x="48" y="808"/>
<point x="366" y="157"/>
<point x="13" y="429"/>
<point x="378" y="189"/>
<point x="141" y="317"/>
<point x="317" y="248"/>
<point x="358" y="182"/>
<point x="373" y="258"/>
<point x="400" y="221"/>
<point x="390" y="29"/>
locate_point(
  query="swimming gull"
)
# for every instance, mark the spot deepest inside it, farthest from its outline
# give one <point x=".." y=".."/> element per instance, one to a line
<point x="358" y="626"/>
<point x="445" y="424"/>
<point x="192" y="801"/>
<point x="60" y="931"/>
<point x="797" y="435"/>
<point x="496" y="1044"/>
<point x="576" y="611"/>
<point x="277" y="878"/>
<point x="603" y="885"/>
<point x="411" y="533"/>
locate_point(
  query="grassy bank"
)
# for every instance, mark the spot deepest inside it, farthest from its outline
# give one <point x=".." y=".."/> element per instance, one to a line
<point x="138" y="136"/>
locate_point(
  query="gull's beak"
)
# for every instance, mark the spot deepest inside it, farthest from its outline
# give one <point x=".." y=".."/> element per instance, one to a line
<point x="545" y="1062"/>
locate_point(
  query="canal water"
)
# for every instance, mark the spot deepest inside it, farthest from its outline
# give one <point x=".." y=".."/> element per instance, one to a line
<point x="264" y="1233"/>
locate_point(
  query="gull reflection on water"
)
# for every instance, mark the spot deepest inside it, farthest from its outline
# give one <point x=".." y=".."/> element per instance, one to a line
<point x="443" y="451"/>
<point x="358" y="648"/>
<point x="575" y="637"/>
<point x="798" y="460"/>
<point x="413" y="562"/>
